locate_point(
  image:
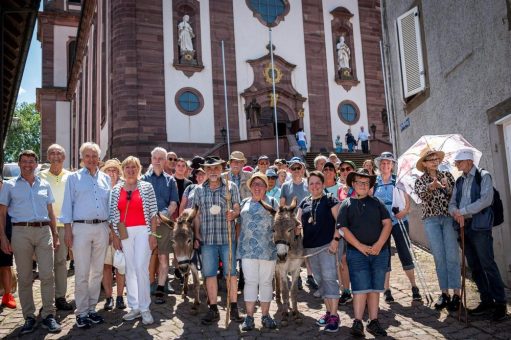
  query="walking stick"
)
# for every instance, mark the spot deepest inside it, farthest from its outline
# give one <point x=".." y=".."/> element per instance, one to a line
<point x="229" y="238"/>
<point x="420" y="273"/>
<point x="463" y="296"/>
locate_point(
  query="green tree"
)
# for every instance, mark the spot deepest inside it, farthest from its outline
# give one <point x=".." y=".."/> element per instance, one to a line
<point x="24" y="132"/>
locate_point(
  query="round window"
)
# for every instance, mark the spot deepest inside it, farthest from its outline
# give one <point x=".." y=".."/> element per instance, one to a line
<point x="189" y="101"/>
<point x="348" y="112"/>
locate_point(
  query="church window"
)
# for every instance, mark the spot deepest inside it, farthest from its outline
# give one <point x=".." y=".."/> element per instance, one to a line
<point x="269" y="12"/>
<point x="189" y="101"/>
<point x="348" y="112"/>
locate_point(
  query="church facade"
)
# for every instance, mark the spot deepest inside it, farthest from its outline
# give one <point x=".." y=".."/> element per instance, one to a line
<point x="192" y="75"/>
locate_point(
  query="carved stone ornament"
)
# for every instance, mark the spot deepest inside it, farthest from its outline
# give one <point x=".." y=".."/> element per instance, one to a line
<point x="277" y="74"/>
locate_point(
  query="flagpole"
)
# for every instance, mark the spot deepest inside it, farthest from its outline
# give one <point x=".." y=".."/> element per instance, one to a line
<point x="225" y="100"/>
<point x="274" y="95"/>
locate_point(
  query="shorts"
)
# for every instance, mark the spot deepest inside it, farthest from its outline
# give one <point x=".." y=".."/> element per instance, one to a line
<point x="210" y="254"/>
<point x="109" y="256"/>
<point x="367" y="273"/>
<point x="6" y="259"/>
<point x="165" y="241"/>
<point x="324" y="268"/>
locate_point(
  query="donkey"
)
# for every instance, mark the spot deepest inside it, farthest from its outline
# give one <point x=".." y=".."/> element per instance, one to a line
<point x="289" y="259"/>
<point x="186" y="255"/>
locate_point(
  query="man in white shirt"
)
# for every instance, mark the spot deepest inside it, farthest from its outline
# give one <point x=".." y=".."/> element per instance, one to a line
<point x="364" y="138"/>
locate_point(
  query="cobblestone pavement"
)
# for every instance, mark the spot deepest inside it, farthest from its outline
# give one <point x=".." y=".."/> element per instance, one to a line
<point x="402" y="319"/>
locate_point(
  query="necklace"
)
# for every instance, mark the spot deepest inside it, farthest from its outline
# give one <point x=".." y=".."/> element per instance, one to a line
<point x="314" y="209"/>
<point x="130" y="186"/>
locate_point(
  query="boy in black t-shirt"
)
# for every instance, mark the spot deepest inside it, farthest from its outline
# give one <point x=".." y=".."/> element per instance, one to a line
<point x="366" y="225"/>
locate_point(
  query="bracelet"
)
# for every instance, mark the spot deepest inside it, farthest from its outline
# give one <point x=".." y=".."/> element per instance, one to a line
<point x="152" y="233"/>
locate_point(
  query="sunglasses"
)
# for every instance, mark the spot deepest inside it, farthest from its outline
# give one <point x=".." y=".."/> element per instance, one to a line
<point x="346" y="169"/>
<point x="296" y="168"/>
<point x="172" y="159"/>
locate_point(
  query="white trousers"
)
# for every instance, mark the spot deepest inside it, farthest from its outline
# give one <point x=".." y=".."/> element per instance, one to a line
<point x="89" y="248"/>
<point x="137" y="255"/>
<point x="259" y="276"/>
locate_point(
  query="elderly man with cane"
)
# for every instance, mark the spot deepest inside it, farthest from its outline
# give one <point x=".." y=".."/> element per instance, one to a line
<point x="470" y="207"/>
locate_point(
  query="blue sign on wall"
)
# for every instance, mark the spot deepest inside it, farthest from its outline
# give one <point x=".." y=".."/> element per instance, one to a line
<point x="405" y="124"/>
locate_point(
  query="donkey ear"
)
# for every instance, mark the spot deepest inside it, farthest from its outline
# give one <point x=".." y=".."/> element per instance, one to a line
<point x="166" y="220"/>
<point x="293" y="204"/>
<point x="192" y="214"/>
<point x="268" y="207"/>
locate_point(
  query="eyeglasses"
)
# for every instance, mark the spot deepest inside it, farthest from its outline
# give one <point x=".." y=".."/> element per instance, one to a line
<point x="172" y="159"/>
<point x="432" y="160"/>
<point x="295" y="168"/>
<point x="346" y="169"/>
<point x="362" y="183"/>
<point x="258" y="185"/>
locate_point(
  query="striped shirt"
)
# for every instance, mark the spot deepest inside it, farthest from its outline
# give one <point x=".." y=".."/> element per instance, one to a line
<point x="148" y="202"/>
<point x="213" y="227"/>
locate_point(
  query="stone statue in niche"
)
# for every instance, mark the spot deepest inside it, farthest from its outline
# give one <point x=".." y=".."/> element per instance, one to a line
<point x="185" y="36"/>
<point x="343" y="59"/>
<point x="253" y="112"/>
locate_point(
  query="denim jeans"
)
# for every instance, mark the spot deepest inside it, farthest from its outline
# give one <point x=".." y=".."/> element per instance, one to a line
<point x="479" y="254"/>
<point x="443" y="244"/>
<point x="350" y="147"/>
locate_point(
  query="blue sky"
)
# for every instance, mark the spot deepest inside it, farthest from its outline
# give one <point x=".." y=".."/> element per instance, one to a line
<point x="32" y="73"/>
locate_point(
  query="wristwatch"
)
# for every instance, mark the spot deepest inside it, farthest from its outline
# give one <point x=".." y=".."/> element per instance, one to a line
<point x="337" y="238"/>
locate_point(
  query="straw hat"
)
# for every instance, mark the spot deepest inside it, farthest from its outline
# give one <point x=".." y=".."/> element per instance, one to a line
<point x="259" y="175"/>
<point x="425" y="154"/>
<point x="112" y="163"/>
<point x="237" y="156"/>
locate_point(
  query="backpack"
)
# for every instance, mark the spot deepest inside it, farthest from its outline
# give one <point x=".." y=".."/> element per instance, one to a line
<point x="496" y="205"/>
<point x="393" y="180"/>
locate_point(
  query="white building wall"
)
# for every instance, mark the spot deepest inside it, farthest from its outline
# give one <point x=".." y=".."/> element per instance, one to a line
<point x="251" y="39"/>
<point x="61" y="35"/>
<point x="182" y="128"/>
<point x="337" y="93"/>
<point x="63" y="127"/>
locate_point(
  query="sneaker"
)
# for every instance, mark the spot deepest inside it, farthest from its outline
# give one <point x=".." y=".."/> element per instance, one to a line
<point x="109" y="304"/>
<point x="119" y="303"/>
<point x="311" y="282"/>
<point x="500" y="312"/>
<point x="268" y="322"/>
<point x="8" y="301"/>
<point x="83" y="322"/>
<point x="28" y="326"/>
<point x="95" y="318"/>
<point x="443" y="301"/>
<point x="345" y="298"/>
<point x="248" y="323"/>
<point x="388" y="296"/>
<point x="147" y="318"/>
<point x="323" y="320"/>
<point x="454" y="305"/>
<point x="375" y="328"/>
<point x="51" y="324"/>
<point x="416" y="296"/>
<point x="482" y="309"/>
<point x="234" y="315"/>
<point x="299" y="283"/>
<point x="210" y="317"/>
<point x="62" y="304"/>
<point x="332" y="325"/>
<point x="357" y="329"/>
<point x="132" y="315"/>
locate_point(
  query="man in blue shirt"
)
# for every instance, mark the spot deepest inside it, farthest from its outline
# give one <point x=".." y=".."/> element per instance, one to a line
<point x="28" y="199"/>
<point x="165" y="189"/>
<point x="85" y="213"/>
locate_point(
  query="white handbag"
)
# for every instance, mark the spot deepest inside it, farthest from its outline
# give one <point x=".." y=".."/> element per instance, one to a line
<point x="120" y="262"/>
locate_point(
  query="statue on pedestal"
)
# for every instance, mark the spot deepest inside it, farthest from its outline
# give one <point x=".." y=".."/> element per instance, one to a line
<point x="185" y="36"/>
<point x="253" y="112"/>
<point x="343" y="59"/>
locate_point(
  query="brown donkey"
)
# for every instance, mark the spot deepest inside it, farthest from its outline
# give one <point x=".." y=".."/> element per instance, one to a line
<point x="289" y="259"/>
<point x="186" y="255"/>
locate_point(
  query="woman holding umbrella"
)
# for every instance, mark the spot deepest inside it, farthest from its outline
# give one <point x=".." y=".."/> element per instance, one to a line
<point x="434" y="188"/>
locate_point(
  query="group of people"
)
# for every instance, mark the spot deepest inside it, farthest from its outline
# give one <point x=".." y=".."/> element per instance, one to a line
<point x="351" y="142"/>
<point x="345" y="217"/>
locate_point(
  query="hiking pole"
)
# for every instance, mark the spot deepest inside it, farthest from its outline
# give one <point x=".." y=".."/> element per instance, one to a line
<point x="229" y="238"/>
<point x="420" y="273"/>
<point x="463" y="276"/>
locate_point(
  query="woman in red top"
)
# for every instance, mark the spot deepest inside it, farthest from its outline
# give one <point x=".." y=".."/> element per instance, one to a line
<point x="133" y="204"/>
